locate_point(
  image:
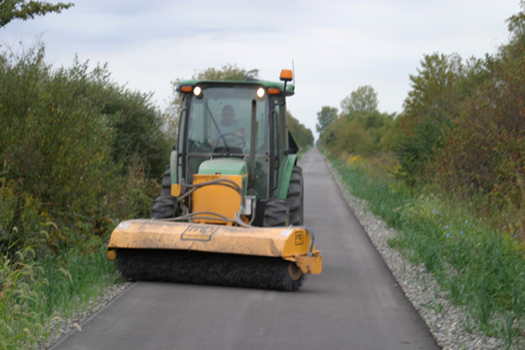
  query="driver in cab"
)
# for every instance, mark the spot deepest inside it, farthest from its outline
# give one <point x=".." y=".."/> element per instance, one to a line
<point x="230" y="129"/>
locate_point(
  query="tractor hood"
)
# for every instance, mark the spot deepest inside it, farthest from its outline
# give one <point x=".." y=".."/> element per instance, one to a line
<point x="224" y="166"/>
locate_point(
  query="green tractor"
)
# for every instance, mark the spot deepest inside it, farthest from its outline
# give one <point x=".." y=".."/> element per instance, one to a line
<point x="231" y="205"/>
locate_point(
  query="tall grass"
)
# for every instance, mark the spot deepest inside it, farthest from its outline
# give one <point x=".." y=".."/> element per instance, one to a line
<point x="478" y="267"/>
<point x="20" y="322"/>
<point x="36" y="294"/>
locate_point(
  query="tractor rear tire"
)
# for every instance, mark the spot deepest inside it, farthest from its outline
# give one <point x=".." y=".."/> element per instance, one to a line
<point x="276" y="213"/>
<point x="295" y="197"/>
<point x="164" y="205"/>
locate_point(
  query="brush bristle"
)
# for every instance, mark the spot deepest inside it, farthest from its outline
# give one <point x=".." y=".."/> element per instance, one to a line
<point x="206" y="268"/>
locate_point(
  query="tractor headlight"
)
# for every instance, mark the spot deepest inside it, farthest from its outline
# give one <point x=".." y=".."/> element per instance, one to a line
<point x="260" y="92"/>
<point x="197" y="91"/>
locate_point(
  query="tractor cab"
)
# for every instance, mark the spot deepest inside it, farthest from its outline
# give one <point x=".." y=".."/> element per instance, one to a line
<point x="235" y="128"/>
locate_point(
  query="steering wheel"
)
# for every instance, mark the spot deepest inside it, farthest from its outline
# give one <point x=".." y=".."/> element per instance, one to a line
<point x="232" y="140"/>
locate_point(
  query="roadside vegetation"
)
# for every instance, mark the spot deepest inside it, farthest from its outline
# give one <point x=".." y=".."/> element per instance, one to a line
<point x="476" y="265"/>
<point x="449" y="174"/>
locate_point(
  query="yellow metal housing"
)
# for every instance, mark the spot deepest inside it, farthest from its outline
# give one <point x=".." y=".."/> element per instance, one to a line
<point x="218" y="199"/>
<point x="292" y="244"/>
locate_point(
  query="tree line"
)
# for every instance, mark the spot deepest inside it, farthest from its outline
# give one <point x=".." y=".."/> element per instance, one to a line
<point x="462" y="126"/>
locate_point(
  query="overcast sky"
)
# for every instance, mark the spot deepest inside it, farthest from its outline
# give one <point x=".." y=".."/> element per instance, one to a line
<point x="336" y="45"/>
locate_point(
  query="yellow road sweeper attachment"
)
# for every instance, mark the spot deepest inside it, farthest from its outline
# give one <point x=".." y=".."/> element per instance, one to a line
<point x="231" y="205"/>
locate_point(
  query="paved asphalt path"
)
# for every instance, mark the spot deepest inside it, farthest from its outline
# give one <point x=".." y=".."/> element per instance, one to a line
<point x="354" y="304"/>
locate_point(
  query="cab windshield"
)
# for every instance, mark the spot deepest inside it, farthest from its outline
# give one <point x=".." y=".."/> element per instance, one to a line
<point x="220" y="121"/>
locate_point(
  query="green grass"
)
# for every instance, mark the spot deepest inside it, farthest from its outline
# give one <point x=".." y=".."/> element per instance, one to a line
<point x="34" y="294"/>
<point x="478" y="267"/>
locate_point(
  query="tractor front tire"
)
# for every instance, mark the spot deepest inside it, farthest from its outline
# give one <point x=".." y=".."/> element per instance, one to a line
<point x="276" y="213"/>
<point x="164" y="205"/>
<point x="295" y="197"/>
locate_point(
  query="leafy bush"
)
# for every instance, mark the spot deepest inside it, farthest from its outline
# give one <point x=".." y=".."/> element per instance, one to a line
<point x="416" y="152"/>
<point x="302" y="136"/>
<point x="72" y="145"/>
<point x="484" y="151"/>
<point x="137" y="131"/>
<point x="438" y="91"/>
<point x="359" y="132"/>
